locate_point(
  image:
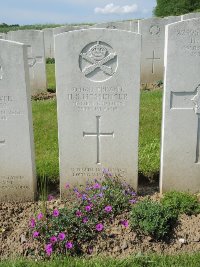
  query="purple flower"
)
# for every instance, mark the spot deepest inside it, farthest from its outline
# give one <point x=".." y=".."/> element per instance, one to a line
<point x="50" y="197"/>
<point x="53" y="239"/>
<point x="69" y="245"/>
<point x="48" y="249"/>
<point x="40" y="216"/>
<point x="56" y="213"/>
<point x="99" y="227"/>
<point x="85" y="220"/>
<point x="61" y="236"/>
<point x="108" y="208"/>
<point x="75" y="189"/>
<point x="36" y="234"/>
<point x="105" y="171"/>
<point x="67" y="186"/>
<point x="84" y="197"/>
<point x="78" y="213"/>
<point x="90" y="250"/>
<point x="124" y="223"/>
<point x="88" y="208"/>
<point x="96" y="186"/>
<point x="100" y="195"/>
<point x="32" y="223"/>
<point x="133" y="193"/>
<point x="132" y="201"/>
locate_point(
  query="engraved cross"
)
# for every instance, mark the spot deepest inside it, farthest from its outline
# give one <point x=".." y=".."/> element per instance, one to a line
<point x="153" y="62"/>
<point x="98" y="134"/>
<point x="32" y="61"/>
<point x="189" y="100"/>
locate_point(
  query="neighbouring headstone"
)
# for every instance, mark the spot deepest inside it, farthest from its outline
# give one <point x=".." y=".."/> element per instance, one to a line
<point x="2" y="35"/>
<point x="191" y="16"/>
<point x="48" y="42"/>
<point x="36" y="57"/>
<point x="98" y="104"/>
<point x="68" y="28"/>
<point x="131" y="25"/>
<point x="17" y="163"/>
<point x="152" y="57"/>
<point x="180" y="153"/>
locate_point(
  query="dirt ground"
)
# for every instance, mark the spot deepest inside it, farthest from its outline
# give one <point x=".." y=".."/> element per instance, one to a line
<point x="120" y="242"/>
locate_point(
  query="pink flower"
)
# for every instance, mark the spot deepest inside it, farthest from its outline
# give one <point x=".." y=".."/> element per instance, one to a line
<point x="85" y="220"/>
<point x="67" y="185"/>
<point x="48" y="249"/>
<point x="69" y="245"/>
<point x="96" y="186"/>
<point x="53" y="239"/>
<point x="36" y="234"/>
<point x="88" y="208"/>
<point x="124" y="223"/>
<point x="108" y="208"/>
<point x="50" y="197"/>
<point x="40" y="216"/>
<point x="78" y="213"/>
<point x="56" y="213"/>
<point x="32" y="223"/>
<point x="99" y="227"/>
<point x="61" y="236"/>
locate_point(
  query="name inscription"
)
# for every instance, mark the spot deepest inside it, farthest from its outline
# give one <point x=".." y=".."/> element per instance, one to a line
<point x="5" y="108"/>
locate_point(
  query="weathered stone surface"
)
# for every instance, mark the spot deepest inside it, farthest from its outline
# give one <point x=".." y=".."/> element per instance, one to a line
<point x="180" y="155"/>
<point x="191" y="16"/>
<point x="131" y="25"/>
<point x="36" y="57"/>
<point x="2" y="35"/>
<point x="17" y="171"/>
<point x="68" y="28"/>
<point x="98" y="104"/>
<point x="152" y="59"/>
<point x="48" y="42"/>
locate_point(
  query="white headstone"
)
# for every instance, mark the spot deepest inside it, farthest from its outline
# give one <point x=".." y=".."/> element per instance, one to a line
<point x="2" y="35"/>
<point x="48" y="42"/>
<point x="180" y="155"/>
<point x="36" y="57"/>
<point x="191" y="16"/>
<point x="152" y="59"/>
<point x="98" y="104"/>
<point x="17" y="165"/>
<point x="68" y="28"/>
<point x="131" y="25"/>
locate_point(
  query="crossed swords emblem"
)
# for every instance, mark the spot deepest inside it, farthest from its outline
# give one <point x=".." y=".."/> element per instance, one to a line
<point x="98" y="56"/>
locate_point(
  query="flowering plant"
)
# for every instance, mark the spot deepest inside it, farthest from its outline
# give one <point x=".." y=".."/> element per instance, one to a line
<point x="74" y="229"/>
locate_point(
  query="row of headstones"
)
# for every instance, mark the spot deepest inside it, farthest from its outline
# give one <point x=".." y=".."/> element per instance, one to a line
<point x="98" y="89"/>
<point x="41" y="46"/>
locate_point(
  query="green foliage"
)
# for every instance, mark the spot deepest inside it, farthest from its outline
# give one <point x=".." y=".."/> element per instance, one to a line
<point x="51" y="77"/>
<point x="50" y="60"/>
<point x="94" y="206"/>
<point x="181" y="202"/>
<point x="179" y="7"/>
<point x="151" y="218"/>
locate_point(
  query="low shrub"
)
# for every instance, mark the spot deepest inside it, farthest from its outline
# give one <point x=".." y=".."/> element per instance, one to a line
<point x="152" y="218"/>
<point x="50" y="60"/>
<point x="181" y="202"/>
<point x="74" y="229"/>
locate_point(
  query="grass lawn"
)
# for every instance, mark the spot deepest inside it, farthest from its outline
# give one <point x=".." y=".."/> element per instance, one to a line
<point x="46" y="141"/>
<point x="137" y="261"/>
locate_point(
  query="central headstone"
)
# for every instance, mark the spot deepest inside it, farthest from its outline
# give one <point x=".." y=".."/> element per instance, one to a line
<point x="98" y="104"/>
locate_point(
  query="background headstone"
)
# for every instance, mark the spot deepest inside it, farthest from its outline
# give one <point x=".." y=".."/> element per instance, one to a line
<point x="98" y="104"/>
<point x="180" y="155"/>
<point x="152" y="55"/>
<point x="191" y="16"/>
<point x="120" y="25"/>
<point x="36" y="57"/>
<point x="17" y="165"/>
<point x="48" y="42"/>
<point x="68" y="28"/>
<point x="2" y="35"/>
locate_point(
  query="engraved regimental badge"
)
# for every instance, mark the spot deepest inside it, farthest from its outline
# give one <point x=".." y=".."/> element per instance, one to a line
<point x="98" y="61"/>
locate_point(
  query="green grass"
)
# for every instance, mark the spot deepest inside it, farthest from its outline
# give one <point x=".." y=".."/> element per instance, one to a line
<point x="51" y="77"/>
<point x="192" y="260"/>
<point x="45" y="131"/>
